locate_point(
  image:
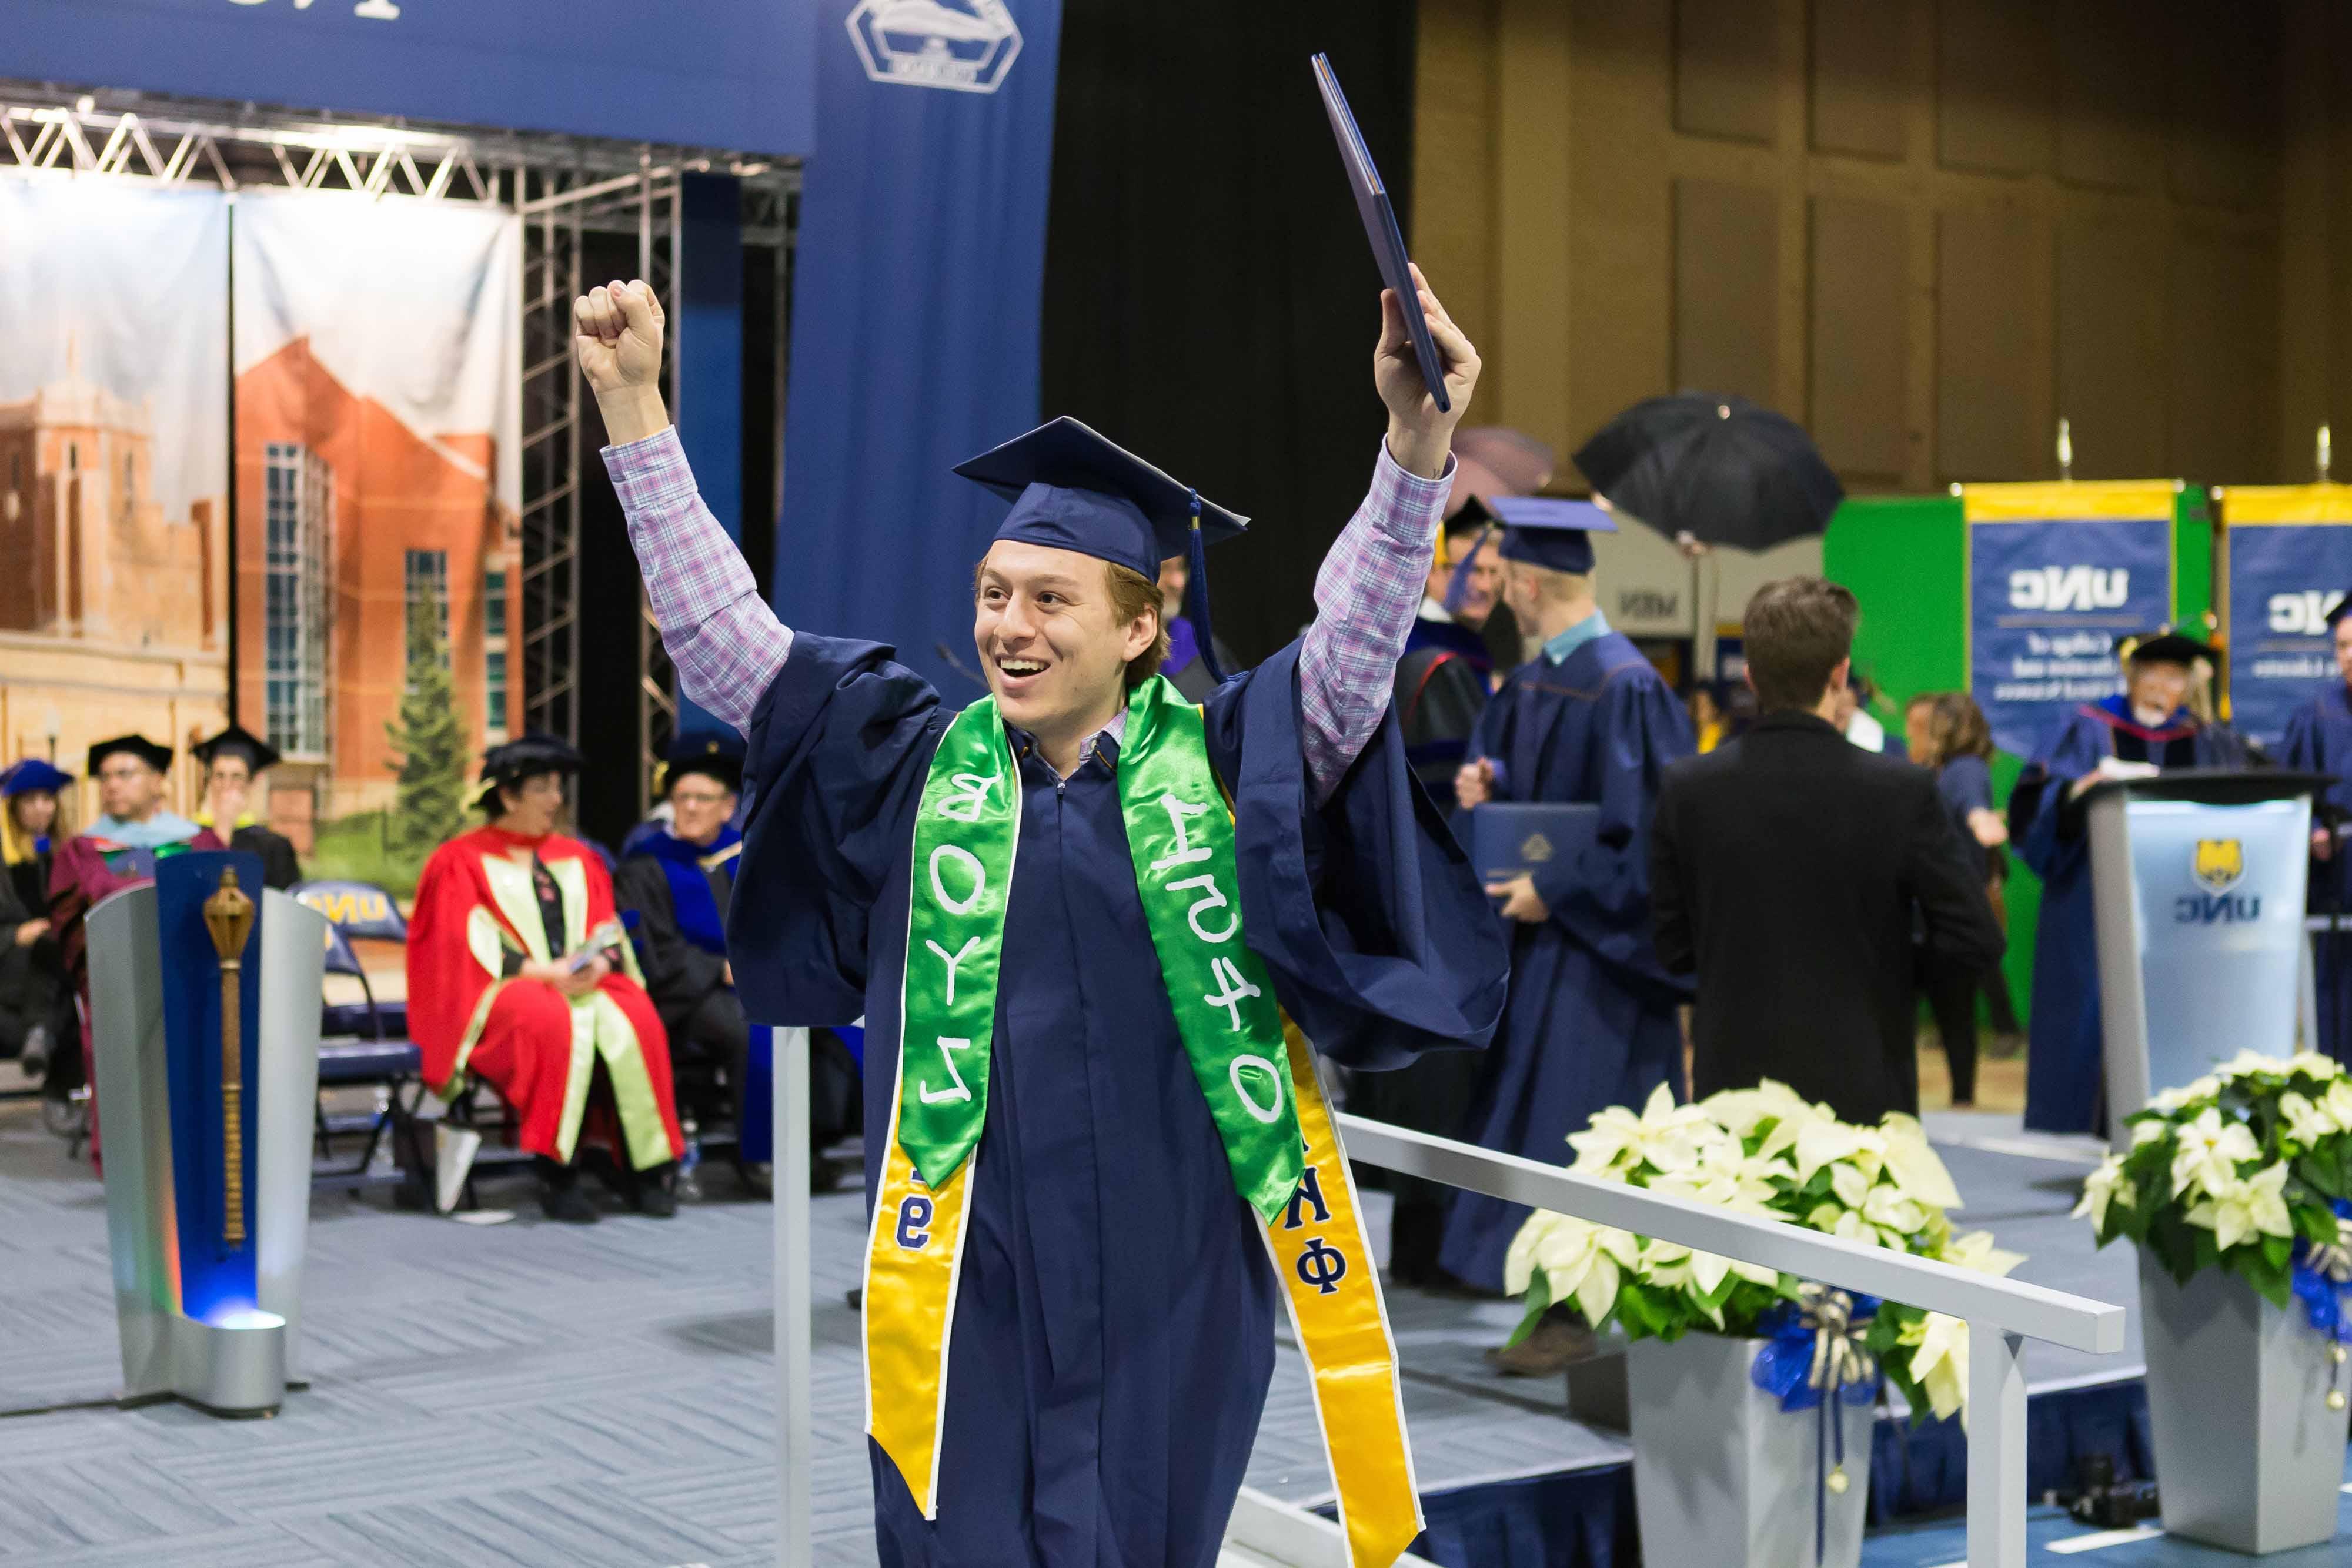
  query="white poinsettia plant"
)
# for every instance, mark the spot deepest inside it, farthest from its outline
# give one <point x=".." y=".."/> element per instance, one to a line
<point x="1765" y="1152"/>
<point x="2245" y="1169"/>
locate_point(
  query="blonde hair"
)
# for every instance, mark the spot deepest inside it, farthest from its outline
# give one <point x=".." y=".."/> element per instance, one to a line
<point x="1131" y="594"/>
<point x="1552" y="586"/>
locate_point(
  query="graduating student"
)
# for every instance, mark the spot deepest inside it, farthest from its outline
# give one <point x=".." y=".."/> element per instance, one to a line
<point x="2319" y="740"/>
<point x="118" y="850"/>
<point x="2144" y="728"/>
<point x="234" y="762"/>
<point x="1074" y="916"/>
<point x="1591" y="1021"/>
<point x="519" y="970"/>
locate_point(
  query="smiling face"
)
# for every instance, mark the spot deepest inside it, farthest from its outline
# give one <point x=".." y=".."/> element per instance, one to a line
<point x="699" y="806"/>
<point x="1054" y="638"/>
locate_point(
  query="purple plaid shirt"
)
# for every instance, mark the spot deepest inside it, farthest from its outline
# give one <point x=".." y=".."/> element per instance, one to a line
<point x="727" y="644"/>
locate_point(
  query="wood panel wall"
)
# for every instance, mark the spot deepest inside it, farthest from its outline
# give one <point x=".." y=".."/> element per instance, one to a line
<point x="1927" y="228"/>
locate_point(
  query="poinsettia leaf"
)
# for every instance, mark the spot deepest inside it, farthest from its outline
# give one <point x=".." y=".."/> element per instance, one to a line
<point x="1538" y="1302"/>
<point x="2273" y="1283"/>
<point x="2315" y="1222"/>
<point x="2276" y="1250"/>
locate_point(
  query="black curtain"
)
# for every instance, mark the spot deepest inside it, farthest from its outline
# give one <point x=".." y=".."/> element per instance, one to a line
<point x="1210" y="301"/>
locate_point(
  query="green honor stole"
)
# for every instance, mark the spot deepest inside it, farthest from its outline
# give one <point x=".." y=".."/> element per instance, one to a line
<point x="1254" y="1070"/>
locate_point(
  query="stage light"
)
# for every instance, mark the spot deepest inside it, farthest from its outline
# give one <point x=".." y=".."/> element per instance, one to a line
<point x="85" y="104"/>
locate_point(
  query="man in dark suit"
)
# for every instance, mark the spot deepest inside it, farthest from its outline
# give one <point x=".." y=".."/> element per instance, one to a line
<point x="1789" y="868"/>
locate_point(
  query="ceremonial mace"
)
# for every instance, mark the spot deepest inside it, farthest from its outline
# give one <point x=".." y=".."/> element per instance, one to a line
<point x="229" y="916"/>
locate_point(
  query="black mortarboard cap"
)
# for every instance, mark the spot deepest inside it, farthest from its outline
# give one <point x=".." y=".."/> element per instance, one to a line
<point x="1556" y="534"/>
<point x="237" y="741"/>
<point x="2165" y="646"/>
<point x="1074" y="489"/>
<point x="32" y="773"/>
<point x="513" y="761"/>
<point x="159" y="757"/>
<point x="1473" y="513"/>
<point x="713" y="756"/>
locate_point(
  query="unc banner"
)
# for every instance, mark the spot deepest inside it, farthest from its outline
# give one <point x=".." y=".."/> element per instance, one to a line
<point x="916" y="295"/>
<point x="2290" y="560"/>
<point x="2056" y="573"/>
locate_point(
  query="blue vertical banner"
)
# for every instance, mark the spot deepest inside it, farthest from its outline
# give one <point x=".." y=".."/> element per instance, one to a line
<point x="916" y="303"/>
<point x="2289" y="554"/>
<point x="217" y="1272"/>
<point x="2056" y="573"/>
<point x="707" y="318"/>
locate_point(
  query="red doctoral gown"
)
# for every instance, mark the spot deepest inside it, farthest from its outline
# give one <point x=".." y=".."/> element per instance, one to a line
<point x="476" y="917"/>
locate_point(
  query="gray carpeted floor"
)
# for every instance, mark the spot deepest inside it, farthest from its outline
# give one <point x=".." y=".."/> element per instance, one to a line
<point x="602" y="1397"/>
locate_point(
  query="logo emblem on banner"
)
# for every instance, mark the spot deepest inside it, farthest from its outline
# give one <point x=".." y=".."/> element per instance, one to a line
<point x="964" y="46"/>
<point x="2219" y="863"/>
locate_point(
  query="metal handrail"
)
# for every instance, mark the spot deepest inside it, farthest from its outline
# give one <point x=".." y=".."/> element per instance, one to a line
<point x="2001" y="1315"/>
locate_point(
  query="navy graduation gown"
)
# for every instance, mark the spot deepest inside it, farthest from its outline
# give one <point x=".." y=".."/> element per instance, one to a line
<point x="1113" y="1330"/>
<point x="2064" y="1068"/>
<point x="2319" y="740"/>
<point x="1591" y="1021"/>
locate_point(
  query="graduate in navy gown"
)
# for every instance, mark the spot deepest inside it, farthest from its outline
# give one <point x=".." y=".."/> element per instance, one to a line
<point x="2144" y="727"/>
<point x="1592" y="1021"/>
<point x="1113" y="1326"/>
<point x="2319" y="740"/>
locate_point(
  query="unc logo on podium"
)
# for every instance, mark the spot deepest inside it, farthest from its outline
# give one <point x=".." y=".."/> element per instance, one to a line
<point x="204" y="1016"/>
<point x="964" y="46"/>
<point x="2219" y="863"/>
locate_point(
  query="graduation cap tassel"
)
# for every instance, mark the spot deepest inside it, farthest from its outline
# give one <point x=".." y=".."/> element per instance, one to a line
<point x="1457" y="587"/>
<point x="1196" y="592"/>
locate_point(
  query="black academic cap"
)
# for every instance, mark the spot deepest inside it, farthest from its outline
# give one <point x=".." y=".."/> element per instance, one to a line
<point x="2164" y="646"/>
<point x="237" y="741"/>
<point x="520" y="758"/>
<point x="159" y="757"/>
<point x="714" y="758"/>
<point x="1547" y="532"/>
<point x="32" y="773"/>
<point x="1473" y="513"/>
<point x="1073" y="489"/>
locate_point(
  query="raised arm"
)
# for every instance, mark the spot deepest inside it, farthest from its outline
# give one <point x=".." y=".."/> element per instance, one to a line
<point x="726" y="643"/>
<point x="1372" y="581"/>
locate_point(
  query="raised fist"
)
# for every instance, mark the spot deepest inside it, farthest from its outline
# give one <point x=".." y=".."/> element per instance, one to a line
<point x="617" y="337"/>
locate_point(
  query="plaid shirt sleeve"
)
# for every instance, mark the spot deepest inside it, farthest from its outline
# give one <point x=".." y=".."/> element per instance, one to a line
<point x="725" y="641"/>
<point x="1366" y="596"/>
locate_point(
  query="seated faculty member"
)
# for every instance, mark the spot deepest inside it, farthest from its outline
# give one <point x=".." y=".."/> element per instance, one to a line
<point x="1789" y="868"/>
<point x="234" y="762"/>
<point x="1084" y="1121"/>
<point x="519" y="971"/>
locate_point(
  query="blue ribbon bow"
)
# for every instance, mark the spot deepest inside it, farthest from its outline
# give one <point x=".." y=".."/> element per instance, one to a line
<point x="2322" y="1282"/>
<point x="1812" y="1359"/>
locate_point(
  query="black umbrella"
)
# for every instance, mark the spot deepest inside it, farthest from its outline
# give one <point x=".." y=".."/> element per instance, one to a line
<point x="1719" y="468"/>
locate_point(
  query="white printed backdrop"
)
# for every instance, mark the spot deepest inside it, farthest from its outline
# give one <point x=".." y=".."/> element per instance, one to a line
<point x="379" y="431"/>
<point x="113" y="464"/>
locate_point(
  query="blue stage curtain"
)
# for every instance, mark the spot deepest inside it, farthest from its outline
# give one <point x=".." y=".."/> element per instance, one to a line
<point x="916" y="301"/>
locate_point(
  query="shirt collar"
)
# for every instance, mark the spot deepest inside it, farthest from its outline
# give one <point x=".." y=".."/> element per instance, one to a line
<point x="1593" y="626"/>
<point x="1433" y="609"/>
<point x="1114" y="732"/>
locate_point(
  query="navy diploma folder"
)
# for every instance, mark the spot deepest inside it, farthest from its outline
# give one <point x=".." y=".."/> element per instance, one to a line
<point x="1514" y="838"/>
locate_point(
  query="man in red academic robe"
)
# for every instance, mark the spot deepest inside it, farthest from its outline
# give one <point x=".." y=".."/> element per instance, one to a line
<point x="520" y="973"/>
<point x="120" y="850"/>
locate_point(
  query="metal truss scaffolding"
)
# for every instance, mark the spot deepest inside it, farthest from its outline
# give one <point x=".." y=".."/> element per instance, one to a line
<point x="563" y="188"/>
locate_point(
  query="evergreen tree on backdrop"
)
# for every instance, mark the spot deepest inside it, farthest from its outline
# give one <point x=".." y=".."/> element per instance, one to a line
<point x="430" y="807"/>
